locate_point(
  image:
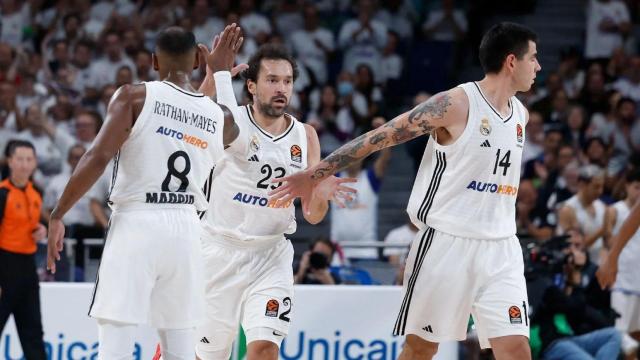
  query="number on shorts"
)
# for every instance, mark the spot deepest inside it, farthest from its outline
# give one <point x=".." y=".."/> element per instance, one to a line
<point x="286" y="302"/>
<point x="173" y="172"/>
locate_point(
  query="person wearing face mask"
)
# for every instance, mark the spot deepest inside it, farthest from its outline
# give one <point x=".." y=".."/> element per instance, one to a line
<point x="314" y="264"/>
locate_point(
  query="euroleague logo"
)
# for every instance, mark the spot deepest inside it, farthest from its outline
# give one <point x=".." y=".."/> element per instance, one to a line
<point x="515" y="316"/>
<point x="272" y="308"/>
<point x="519" y="133"/>
<point x="296" y="153"/>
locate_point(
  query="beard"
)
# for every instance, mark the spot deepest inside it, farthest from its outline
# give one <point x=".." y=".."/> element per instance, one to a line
<point x="270" y="111"/>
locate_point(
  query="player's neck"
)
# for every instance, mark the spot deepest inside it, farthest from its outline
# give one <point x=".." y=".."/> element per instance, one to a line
<point x="273" y="125"/>
<point x="179" y="78"/>
<point x="497" y="89"/>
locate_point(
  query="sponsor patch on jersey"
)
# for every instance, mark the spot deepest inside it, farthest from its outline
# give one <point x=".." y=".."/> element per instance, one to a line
<point x="296" y="153"/>
<point x="189" y="139"/>
<point x="272" y="308"/>
<point x="254" y="144"/>
<point x="500" y="189"/>
<point x="515" y="315"/>
<point x="519" y="134"/>
<point x="485" y="128"/>
<point x="261" y="201"/>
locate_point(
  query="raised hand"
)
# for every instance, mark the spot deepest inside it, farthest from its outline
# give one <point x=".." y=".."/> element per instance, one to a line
<point x="225" y="46"/>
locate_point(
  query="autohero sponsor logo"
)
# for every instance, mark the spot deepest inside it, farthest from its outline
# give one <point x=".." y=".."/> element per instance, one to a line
<point x="499" y="189"/>
<point x="260" y="201"/>
<point x="60" y="348"/>
<point x="184" y="116"/>
<point x="189" y="139"/>
<point x="303" y="346"/>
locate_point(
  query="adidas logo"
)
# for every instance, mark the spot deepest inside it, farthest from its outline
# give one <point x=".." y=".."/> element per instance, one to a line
<point x="253" y="158"/>
<point x="428" y="329"/>
<point x="485" y="144"/>
<point x="204" y="340"/>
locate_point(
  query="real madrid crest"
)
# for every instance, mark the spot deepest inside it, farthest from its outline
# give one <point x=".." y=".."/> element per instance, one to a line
<point x="254" y="144"/>
<point x="485" y="128"/>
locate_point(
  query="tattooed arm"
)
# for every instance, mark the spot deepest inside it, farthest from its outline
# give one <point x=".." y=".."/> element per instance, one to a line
<point x="440" y="111"/>
<point x="447" y="110"/>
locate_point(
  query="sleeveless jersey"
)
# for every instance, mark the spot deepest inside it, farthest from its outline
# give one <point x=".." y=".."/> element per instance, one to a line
<point x="468" y="188"/>
<point x="240" y="207"/>
<point x="589" y="224"/>
<point x="170" y="152"/>
<point x="627" y="278"/>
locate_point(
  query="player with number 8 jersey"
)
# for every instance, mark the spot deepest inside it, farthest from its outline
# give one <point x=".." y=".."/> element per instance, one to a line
<point x="165" y="138"/>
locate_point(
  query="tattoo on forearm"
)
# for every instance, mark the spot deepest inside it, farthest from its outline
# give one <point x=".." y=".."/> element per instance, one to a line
<point x="434" y="108"/>
<point x="378" y="139"/>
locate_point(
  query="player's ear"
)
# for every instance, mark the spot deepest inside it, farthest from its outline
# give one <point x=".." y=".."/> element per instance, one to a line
<point x="251" y="86"/>
<point x="510" y="61"/>
<point x="154" y="61"/>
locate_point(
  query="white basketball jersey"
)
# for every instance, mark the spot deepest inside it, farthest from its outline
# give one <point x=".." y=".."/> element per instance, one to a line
<point x="240" y="207"/>
<point x="627" y="278"/>
<point x="170" y="153"/>
<point x="468" y="188"/>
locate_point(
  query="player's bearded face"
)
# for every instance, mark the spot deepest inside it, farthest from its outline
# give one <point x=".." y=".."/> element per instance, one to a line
<point x="274" y="107"/>
<point x="273" y="90"/>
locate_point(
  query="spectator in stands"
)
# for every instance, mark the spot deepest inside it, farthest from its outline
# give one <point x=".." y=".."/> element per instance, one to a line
<point x="629" y="85"/>
<point x="625" y="137"/>
<point x="314" y="265"/>
<point x="586" y="212"/>
<point x="365" y="85"/>
<point x="570" y="72"/>
<point x="575" y="126"/>
<point x="114" y="58"/>
<point x="353" y="105"/>
<point x="20" y="229"/>
<point x="565" y="325"/>
<point x="363" y="209"/>
<point x="397" y="256"/>
<point x="594" y="95"/>
<point x="607" y="24"/>
<point x="595" y="152"/>
<point x="625" y="295"/>
<point x="534" y="137"/>
<point x="50" y="158"/>
<point x="446" y="24"/>
<point x="603" y="123"/>
<point x="544" y="102"/>
<point x="313" y="45"/>
<point x="143" y="67"/>
<point x="254" y="24"/>
<point x="204" y="22"/>
<point x="362" y="40"/>
<point x="324" y="120"/>
<point x="538" y="168"/>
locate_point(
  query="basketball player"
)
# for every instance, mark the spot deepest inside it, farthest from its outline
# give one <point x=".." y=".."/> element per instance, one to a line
<point x="607" y="272"/>
<point x="466" y="257"/>
<point x="248" y="260"/>
<point x="164" y="138"/>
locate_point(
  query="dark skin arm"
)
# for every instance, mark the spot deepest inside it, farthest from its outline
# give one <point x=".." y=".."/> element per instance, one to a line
<point x="125" y="106"/>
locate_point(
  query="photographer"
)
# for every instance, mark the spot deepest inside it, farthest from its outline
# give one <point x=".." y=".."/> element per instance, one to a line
<point x="314" y="265"/>
<point x="571" y="319"/>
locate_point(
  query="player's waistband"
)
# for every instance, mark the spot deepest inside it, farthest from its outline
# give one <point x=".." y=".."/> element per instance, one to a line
<point x="129" y="206"/>
<point x="236" y="242"/>
<point x="463" y="235"/>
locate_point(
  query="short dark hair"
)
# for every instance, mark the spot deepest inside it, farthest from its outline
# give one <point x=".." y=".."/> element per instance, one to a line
<point x="633" y="175"/>
<point x="501" y="40"/>
<point x="623" y="100"/>
<point x="13" y="145"/>
<point x="175" y="40"/>
<point x="323" y="240"/>
<point x="269" y="52"/>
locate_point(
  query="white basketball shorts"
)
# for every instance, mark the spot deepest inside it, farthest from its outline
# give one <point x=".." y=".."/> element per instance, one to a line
<point x="151" y="269"/>
<point x="447" y="278"/>
<point x="247" y="284"/>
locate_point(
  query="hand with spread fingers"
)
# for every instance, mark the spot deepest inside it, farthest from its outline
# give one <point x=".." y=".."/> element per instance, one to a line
<point x="225" y="47"/>
<point x="332" y="189"/>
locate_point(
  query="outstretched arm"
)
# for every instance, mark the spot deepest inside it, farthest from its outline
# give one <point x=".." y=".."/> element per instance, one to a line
<point x="123" y="109"/>
<point x="607" y="272"/>
<point x="440" y="111"/>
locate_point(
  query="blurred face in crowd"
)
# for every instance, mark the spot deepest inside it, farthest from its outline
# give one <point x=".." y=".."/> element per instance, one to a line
<point x="634" y="69"/>
<point x="82" y="56"/>
<point x="130" y="42"/>
<point x="22" y="164"/>
<point x="61" y="52"/>
<point x="576" y="241"/>
<point x="566" y="154"/>
<point x="71" y="26"/>
<point x="200" y="12"/>
<point x="525" y="69"/>
<point x="596" y="153"/>
<point x="627" y="111"/>
<point x="527" y="193"/>
<point x="107" y="93"/>
<point x="575" y="120"/>
<point x="552" y="141"/>
<point x="364" y="77"/>
<point x="246" y="6"/>
<point x="124" y="76"/>
<point x="6" y="56"/>
<point x="595" y="83"/>
<point x="535" y="130"/>
<point x="113" y="47"/>
<point x="35" y="118"/>
<point x="75" y="153"/>
<point x="553" y="83"/>
<point x="329" y="98"/>
<point x="273" y="90"/>
<point x="633" y="191"/>
<point x="310" y="17"/>
<point x="560" y="101"/>
<point x="63" y="109"/>
<point x="7" y="95"/>
<point x="86" y="127"/>
<point x="570" y="175"/>
<point x="592" y="189"/>
<point x="365" y="10"/>
<point x="143" y="62"/>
